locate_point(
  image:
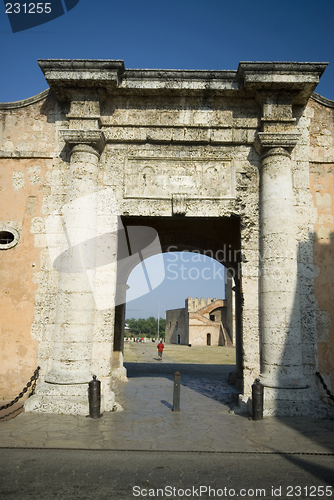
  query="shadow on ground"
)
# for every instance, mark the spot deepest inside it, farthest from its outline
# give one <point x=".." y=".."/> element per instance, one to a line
<point x="207" y="380"/>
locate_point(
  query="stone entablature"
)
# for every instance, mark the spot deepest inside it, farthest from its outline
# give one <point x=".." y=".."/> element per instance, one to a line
<point x="154" y="138"/>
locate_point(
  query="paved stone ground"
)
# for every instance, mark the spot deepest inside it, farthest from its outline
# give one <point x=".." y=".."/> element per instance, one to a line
<point x="11" y="412"/>
<point x="206" y="421"/>
<point x="151" y="447"/>
<point x="105" y="475"/>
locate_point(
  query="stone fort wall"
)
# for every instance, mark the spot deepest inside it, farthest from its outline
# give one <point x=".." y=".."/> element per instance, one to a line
<point x="170" y="145"/>
<point x="27" y="164"/>
<point x="322" y="191"/>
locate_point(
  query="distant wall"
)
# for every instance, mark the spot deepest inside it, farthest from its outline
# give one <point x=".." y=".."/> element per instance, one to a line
<point x="193" y="324"/>
<point x="322" y="190"/>
<point x="194" y="304"/>
<point x="199" y="330"/>
<point x="175" y="325"/>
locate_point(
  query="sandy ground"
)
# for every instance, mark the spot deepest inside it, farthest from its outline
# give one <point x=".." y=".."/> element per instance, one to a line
<point x="146" y="352"/>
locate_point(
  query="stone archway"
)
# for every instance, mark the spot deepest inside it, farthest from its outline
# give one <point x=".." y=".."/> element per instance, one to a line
<point x="193" y="154"/>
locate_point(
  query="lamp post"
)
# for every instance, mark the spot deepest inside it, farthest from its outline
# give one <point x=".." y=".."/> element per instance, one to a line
<point x="158" y="318"/>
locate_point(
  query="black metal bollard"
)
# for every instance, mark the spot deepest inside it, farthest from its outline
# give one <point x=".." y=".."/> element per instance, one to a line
<point x="257" y="400"/>
<point x="94" y="398"/>
<point x="176" y="392"/>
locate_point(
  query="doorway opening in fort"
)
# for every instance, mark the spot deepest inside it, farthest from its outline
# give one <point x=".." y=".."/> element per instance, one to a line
<point x="211" y="238"/>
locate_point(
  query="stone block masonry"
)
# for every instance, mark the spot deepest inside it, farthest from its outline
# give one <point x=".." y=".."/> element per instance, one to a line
<point x="211" y="161"/>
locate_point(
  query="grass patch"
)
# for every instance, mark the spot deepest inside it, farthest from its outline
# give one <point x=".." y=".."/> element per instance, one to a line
<point x="173" y="353"/>
<point x="214" y="355"/>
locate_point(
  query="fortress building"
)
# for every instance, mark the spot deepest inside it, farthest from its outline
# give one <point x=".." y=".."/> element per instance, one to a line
<point x="110" y="166"/>
<point x="200" y="322"/>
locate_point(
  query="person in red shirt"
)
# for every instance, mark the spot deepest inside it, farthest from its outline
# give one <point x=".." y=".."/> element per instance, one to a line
<point x="160" y="347"/>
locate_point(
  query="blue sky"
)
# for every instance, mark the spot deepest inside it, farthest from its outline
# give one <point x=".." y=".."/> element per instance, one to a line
<point x="179" y="34"/>
<point x="186" y="275"/>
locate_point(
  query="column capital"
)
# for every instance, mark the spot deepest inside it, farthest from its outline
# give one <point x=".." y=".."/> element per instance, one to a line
<point x="93" y="138"/>
<point x="266" y="141"/>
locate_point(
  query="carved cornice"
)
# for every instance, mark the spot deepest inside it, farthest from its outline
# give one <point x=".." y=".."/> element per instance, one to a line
<point x="66" y="76"/>
<point x="93" y="138"/>
<point x="299" y="78"/>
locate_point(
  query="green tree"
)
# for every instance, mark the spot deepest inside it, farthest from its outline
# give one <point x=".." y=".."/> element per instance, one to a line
<point x="162" y="327"/>
<point x="147" y="327"/>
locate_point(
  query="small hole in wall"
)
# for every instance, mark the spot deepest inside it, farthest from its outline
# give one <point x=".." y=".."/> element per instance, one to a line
<point x="6" y="237"/>
<point x="9" y="237"/>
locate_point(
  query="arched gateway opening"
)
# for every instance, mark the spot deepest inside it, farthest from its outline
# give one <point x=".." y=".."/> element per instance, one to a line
<point x="218" y="238"/>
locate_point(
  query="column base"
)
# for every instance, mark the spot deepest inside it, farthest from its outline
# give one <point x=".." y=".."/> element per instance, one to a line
<point x="288" y="403"/>
<point x="278" y="382"/>
<point x="118" y="370"/>
<point x="72" y="377"/>
<point x="294" y="402"/>
<point x="67" y="399"/>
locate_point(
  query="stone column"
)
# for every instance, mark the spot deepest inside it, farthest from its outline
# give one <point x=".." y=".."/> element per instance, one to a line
<point x="72" y="350"/>
<point x="238" y="328"/>
<point x="65" y="386"/>
<point x="236" y="377"/>
<point x="119" y="371"/>
<point x="281" y="354"/>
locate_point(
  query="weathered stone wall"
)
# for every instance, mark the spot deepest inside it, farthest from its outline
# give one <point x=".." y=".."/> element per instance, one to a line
<point x="228" y="318"/>
<point x="173" y="146"/>
<point x="322" y="190"/>
<point x="27" y="142"/>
